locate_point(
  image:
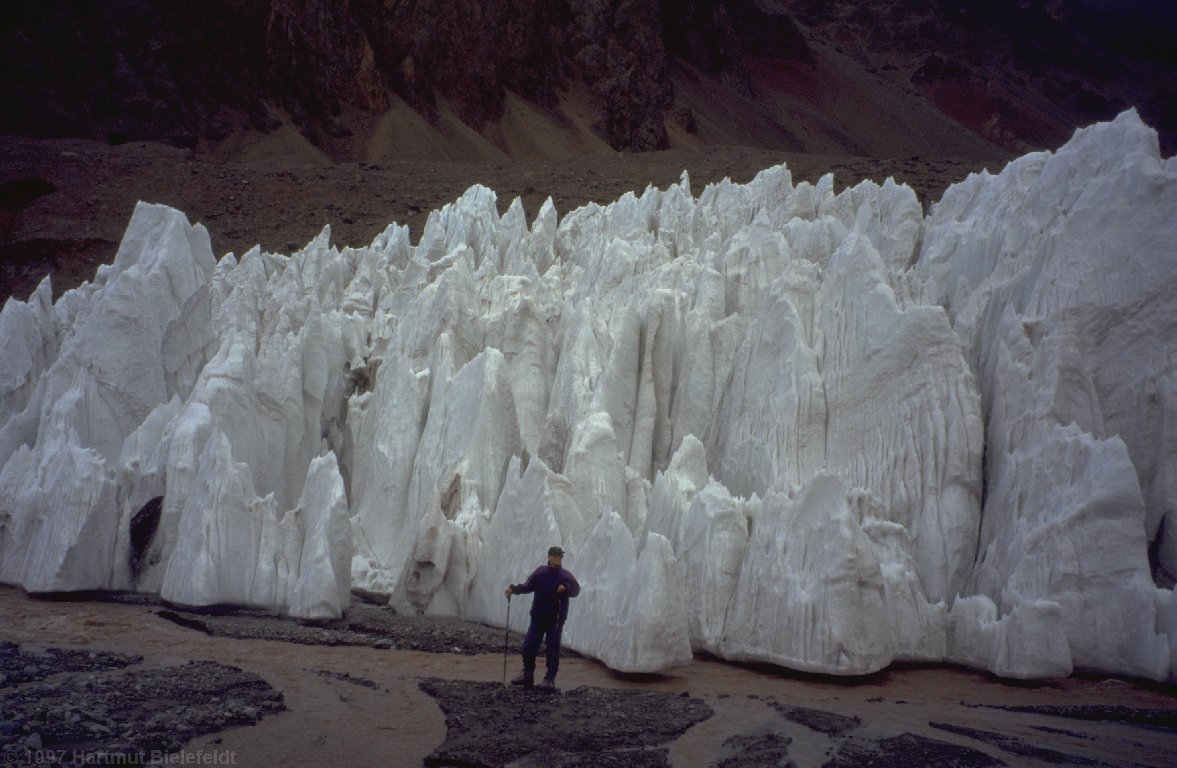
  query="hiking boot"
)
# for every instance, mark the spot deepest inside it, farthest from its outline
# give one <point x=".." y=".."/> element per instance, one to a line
<point x="548" y="684"/>
<point x="524" y="678"/>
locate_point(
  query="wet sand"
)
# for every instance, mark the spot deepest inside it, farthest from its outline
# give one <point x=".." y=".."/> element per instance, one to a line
<point x="362" y="705"/>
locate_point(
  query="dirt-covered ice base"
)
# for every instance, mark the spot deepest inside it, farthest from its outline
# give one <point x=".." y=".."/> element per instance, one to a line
<point x="188" y="684"/>
<point x="371" y="624"/>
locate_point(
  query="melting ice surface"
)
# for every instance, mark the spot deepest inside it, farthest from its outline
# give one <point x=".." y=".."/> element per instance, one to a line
<point x="769" y="422"/>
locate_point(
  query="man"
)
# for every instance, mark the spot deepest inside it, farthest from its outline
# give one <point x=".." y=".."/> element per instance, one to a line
<point x="553" y="586"/>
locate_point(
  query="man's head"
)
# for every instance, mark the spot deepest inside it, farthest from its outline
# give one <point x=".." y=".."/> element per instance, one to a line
<point x="555" y="557"/>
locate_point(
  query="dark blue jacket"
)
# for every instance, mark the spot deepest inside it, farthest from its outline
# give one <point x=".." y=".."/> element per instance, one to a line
<point x="548" y="607"/>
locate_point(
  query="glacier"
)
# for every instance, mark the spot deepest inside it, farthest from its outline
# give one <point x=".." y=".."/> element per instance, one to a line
<point x="770" y="422"/>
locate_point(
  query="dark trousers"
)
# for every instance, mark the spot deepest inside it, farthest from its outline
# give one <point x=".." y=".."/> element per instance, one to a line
<point x="535" y="633"/>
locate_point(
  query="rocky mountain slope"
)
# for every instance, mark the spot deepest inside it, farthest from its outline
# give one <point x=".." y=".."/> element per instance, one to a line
<point x="269" y="119"/>
<point x="404" y="79"/>
<point x="1020" y="73"/>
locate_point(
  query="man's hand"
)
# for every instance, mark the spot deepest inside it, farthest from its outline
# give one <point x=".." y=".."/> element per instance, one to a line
<point x="561" y="589"/>
<point x="508" y="592"/>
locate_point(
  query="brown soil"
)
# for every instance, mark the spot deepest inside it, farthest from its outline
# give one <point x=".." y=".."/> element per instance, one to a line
<point x="365" y="706"/>
<point x="69" y="201"/>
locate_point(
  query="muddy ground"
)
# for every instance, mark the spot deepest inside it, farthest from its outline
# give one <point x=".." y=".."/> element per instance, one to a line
<point x="90" y="680"/>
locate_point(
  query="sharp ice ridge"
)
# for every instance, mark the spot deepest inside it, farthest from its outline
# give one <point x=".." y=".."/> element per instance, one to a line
<point x="755" y="418"/>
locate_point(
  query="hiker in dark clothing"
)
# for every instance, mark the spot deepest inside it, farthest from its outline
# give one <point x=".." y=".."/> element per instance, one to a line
<point x="553" y="586"/>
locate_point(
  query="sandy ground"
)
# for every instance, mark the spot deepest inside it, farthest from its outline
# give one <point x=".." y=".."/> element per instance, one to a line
<point x="355" y="705"/>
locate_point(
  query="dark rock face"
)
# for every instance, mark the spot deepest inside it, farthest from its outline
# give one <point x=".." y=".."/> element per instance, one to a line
<point x="466" y="52"/>
<point x="1039" y="69"/>
<point x="125" y="69"/>
<point x="143" y="527"/>
<point x="181" y="70"/>
<point x="472" y="53"/>
<point x="18" y="194"/>
<point x="1016" y="72"/>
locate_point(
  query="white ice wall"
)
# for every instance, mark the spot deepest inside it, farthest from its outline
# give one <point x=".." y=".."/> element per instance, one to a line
<point x="170" y="383"/>
<point x="1061" y="278"/>
<point x="755" y="419"/>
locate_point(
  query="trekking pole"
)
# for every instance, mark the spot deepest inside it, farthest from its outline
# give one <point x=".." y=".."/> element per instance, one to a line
<point x="506" y="634"/>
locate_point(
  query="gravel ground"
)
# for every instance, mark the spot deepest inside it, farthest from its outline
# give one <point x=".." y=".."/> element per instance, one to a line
<point x="909" y="750"/>
<point x="1015" y="745"/>
<point x="80" y="713"/>
<point x="767" y="749"/>
<point x="829" y="723"/>
<point x="1140" y="717"/>
<point x="851" y="744"/>
<point x="25" y="665"/>
<point x="491" y="725"/>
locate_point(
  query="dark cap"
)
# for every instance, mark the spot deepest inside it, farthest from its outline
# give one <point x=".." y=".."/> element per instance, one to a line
<point x="555" y="552"/>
